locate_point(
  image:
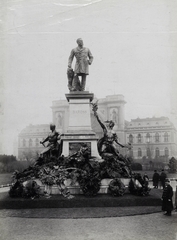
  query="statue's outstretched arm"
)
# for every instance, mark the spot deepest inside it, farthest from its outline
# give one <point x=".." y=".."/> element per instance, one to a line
<point x="126" y="145"/>
<point x="120" y="144"/>
<point x="45" y="140"/>
<point x="94" y="109"/>
<point x="100" y="122"/>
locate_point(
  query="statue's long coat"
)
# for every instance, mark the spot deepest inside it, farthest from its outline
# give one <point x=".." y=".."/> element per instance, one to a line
<point x="83" y="58"/>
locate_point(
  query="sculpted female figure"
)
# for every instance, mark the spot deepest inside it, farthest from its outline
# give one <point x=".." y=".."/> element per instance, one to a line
<point x="108" y="144"/>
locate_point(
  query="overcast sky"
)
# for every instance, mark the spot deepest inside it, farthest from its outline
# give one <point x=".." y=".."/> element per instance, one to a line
<point x="133" y="43"/>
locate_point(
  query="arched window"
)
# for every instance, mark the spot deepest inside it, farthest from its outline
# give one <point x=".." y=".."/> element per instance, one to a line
<point x="166" y="137"/>
<point x="148" y="152"/>
<point x="139" y="138"/>
<point x="131" y="138"/>
<point x="166" y="152"/>
<point x="30" y="143"/>
<point x="156" y="137"/>
<point x="148" y="136"/>
<point x="139" y="152"/>
<point x="24" y="143"/>
<point x="37" y="142"/>
<point x="157" y="153"/>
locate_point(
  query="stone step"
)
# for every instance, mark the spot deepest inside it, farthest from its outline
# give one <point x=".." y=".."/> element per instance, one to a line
<point x="81" y="201"/>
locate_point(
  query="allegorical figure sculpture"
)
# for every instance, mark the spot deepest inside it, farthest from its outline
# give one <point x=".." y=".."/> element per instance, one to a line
<point x="53" y="147"/>
<point x="109" y="142"/>
<point x="84" y="58"/>
<point x="108" y="145"/>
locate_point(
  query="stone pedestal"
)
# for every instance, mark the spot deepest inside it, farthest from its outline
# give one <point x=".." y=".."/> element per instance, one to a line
<point x="79" y="129"/>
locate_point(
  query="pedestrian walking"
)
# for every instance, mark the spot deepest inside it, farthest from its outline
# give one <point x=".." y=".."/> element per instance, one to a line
<point x="163" y="177"/>
<point x="155" y="179"/>
<point x="167" y="203"/>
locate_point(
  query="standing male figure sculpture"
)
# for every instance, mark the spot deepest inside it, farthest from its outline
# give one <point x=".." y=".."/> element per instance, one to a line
<point x="84" y="58"/>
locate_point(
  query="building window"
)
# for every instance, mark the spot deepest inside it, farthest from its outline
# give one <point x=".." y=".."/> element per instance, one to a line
<point x="30" y="143"/>
<point x="156" y="137"/>
<point x="157" y="153"/>
<point x="166" y="152"/>
<point x="166" y="137"/>
<point x="139" y="152"/>
<point x="139" y="138"/>
<point x="24" y="143"/>
<point x="131" y="138"/>
<point x="148" y="152"/>
<point x="148" y="137"/>
<point x="37" y="142"/>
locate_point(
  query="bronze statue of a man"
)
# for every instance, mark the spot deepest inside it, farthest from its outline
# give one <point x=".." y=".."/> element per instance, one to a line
<point x="84" y="58"/>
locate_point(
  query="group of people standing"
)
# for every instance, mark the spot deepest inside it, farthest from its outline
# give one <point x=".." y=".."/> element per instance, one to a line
<point x="159" y="179"/>
<point x="167" y="202"/>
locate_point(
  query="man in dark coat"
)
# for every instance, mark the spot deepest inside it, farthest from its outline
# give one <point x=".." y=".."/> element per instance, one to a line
<point x="163" y="177"/>
<point x="167" y="203"/>
<point x="155" y="179"/>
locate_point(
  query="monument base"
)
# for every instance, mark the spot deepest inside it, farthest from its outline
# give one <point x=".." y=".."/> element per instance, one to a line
<point x="79" y="130"/>
<point x="75" y="189"/>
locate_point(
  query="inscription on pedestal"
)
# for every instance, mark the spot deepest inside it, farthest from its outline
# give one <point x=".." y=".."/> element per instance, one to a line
<point x="79" y="114"/>
<point x="75" y="147"/>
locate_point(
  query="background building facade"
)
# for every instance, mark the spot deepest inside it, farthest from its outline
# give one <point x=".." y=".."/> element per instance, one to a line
<point x="150" y="137"/>
<point x="29" y="141"/>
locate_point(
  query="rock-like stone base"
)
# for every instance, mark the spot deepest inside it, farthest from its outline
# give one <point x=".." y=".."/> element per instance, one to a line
<point x="75" y="190"/>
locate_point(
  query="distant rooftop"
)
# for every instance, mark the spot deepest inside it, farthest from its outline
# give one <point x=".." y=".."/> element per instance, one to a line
<point x="149" y="119"/>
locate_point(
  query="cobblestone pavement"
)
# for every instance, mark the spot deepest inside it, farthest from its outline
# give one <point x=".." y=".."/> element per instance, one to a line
<point x="147" y="227"/>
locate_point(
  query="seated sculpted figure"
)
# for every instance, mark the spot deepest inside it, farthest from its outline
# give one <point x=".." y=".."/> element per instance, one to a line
<point x="109" y="143"/>
<point x="53" y="147"/>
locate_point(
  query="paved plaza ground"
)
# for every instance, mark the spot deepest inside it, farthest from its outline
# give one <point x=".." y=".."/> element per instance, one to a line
<point x="109" y="223"/>
<point x="153" y="226"/>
